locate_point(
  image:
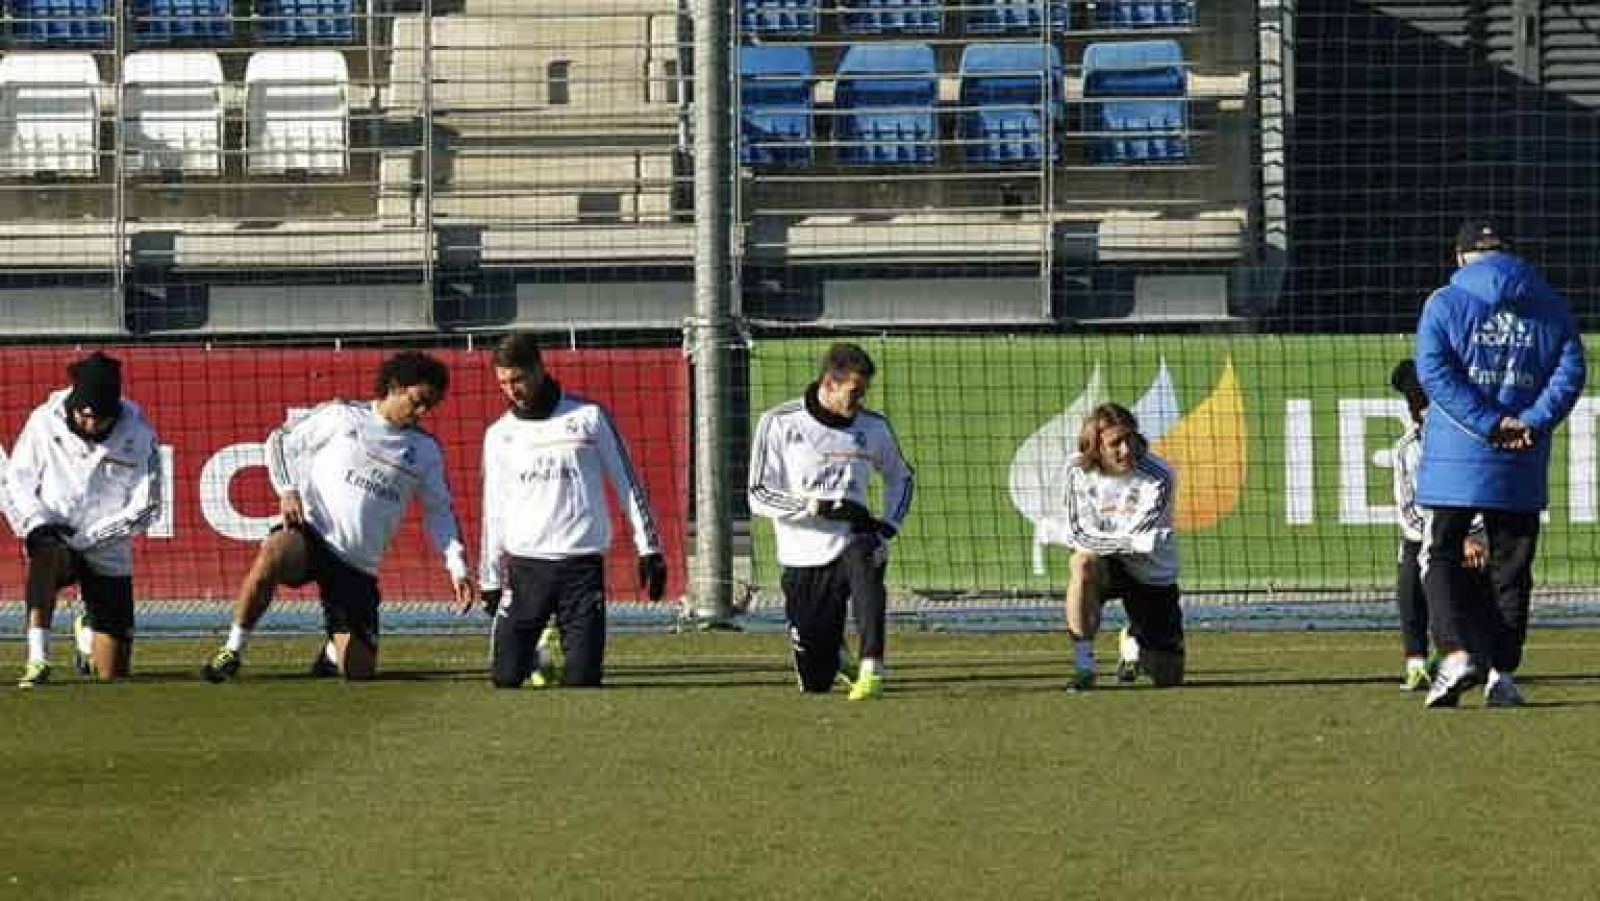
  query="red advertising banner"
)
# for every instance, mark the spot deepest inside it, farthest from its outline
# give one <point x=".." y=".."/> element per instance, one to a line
<point x="213" y="409"/>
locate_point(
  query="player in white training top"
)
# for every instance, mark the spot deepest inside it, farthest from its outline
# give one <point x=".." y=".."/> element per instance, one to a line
<point x="810" y="463"/>
<point x="546" y="523"/>
<point x="345" y="474"/>
<point x="84" y="478"/>
<point x="1118" y="520"/>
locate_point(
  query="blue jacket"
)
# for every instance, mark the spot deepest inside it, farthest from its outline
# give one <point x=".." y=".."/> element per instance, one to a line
<point x="1496" y="341"/>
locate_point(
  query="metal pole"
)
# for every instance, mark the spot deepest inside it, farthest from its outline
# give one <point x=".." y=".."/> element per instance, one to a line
<point x="711" y="327"/>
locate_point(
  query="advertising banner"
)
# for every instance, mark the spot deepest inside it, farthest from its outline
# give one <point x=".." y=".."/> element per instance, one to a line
<point x="1281" y="443"/>
<point x="213" y="409"/>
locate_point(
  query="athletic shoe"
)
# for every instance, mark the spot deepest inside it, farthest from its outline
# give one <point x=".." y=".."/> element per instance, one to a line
<point x="1082" y="679"/>
<point x="321" y="666"/>
<point x="849" y="671"/>
<point x="1127" y="657"/>
<point x="1416" y="679"/>
<point x="80" y="662"/>
<point x="36" y="673"/>
<point x="538" y="679"/>
<point x="867" y="686"/>
<point x="1455" y="676"/>
<point x="223" y="667"/>
<point x="1502" y="692"/>
<point x="552" y="657"/>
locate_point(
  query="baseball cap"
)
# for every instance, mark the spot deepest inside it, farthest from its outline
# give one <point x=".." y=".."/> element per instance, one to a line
<point x="1477" y="235"/>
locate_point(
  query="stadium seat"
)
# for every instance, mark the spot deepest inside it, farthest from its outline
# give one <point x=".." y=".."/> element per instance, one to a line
<point x="1150" y="125"/>
<point x="297" y="112"/>
<point x="1142" y="13"/>
<point x="49" y="115"/>
<point x="60" y="22"/>
<point x="1002" y="16"/>
<point x="775" y="106"/>
<point x="305" y="21"/>
<point x="174" y="21"/>
<point x="885" y="100"/>
<point x="779" y="16"/>
<point x="1006" y="92"/>
<point x="893" y="16"/>
<point x="172" y="112"/>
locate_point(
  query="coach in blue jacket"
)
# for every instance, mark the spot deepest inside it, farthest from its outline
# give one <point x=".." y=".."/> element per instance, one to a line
<point x="1499" y="354"/>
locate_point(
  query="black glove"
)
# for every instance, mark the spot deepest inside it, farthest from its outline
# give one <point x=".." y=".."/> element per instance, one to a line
<point x="48" y="536"/>
<point x="491" y="600"/>
<point x="653" y="575"/>
<point x="874" y="527"/>
<point x="844" y="510"/>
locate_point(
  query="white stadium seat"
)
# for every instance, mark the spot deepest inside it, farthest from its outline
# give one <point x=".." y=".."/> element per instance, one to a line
<point x="172" y="107"/>
<point x="297" y="112"/>
<point x="49" y="115"/>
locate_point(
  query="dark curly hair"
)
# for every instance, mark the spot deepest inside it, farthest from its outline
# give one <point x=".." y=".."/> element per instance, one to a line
<point x="411" y="367"/>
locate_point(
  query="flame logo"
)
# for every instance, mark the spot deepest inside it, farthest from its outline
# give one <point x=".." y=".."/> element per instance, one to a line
<point x="1211" y="452"/>
<point x="1209" y="448"/>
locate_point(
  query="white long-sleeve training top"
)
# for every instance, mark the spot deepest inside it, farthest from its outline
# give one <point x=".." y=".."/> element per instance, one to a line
<point x="795" y="459"/>
<point x="1407" y="457"/>
<point x="107" y="491"/>
<point x="356" y="475"/>
<point x="1413" y="518"/>
<point x="543" y="494"/>
<point x="1128" y="516"/>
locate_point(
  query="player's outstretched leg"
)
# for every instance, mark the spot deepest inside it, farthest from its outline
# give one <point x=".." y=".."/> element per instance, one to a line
<point x="284" y="559"/>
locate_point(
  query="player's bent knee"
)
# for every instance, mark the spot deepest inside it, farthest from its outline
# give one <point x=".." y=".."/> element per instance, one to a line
<point x="1166" y="668"/>
<point x="360" y="672"/>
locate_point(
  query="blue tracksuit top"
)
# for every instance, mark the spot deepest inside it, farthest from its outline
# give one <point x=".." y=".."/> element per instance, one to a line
<point x="1496" y="341"/>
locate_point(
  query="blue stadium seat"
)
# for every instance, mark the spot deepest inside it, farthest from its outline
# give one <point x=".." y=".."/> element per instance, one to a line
<point x="1150" y="125"/>
<point x="1006" y="92"/>
<point x="780" y="16"/>
<point x="60" y="22"/>
<point x="774" y="106"/>
<point x="1143" y="13"/>
<point x="172" y="21"/>
<point x="306" y="21"/>
<point x="1002" y="16"/>
<point x="885" y="99"/>
<point x="893" y="16"/>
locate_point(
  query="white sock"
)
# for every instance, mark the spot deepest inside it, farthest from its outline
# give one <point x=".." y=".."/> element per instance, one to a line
<point x="331" y="651"/>
<point x="38" y="644"/>
<point x="238" y="637"/>
<point x="85" y="640"/>
<point x="1083" y="653"/>
<point x="1128" y="648"/>
<point x="871" y="666"/>
<point x="1416" y="663"/>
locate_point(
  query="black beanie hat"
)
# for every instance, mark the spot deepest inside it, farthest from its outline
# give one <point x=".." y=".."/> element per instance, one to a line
<point x="96" y="384"/>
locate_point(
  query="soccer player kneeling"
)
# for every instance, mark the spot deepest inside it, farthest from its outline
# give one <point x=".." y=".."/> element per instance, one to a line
<point x="810" y="464"/>
<point x="1118" y="521"/>
<point x="84" y="478"/>
<point x="345" y="474"/>
<point x="546" y="524"/>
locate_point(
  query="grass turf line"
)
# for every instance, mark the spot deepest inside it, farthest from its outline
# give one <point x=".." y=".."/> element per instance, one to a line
<point x="1292" y="767"/>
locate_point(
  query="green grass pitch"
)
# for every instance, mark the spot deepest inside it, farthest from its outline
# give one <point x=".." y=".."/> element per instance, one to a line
<point x="1292" y="767"/>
